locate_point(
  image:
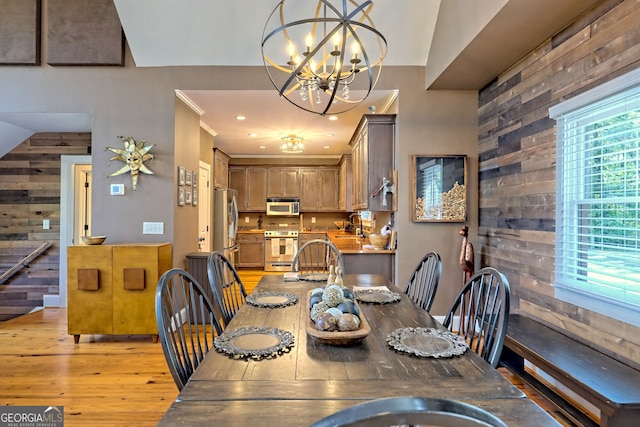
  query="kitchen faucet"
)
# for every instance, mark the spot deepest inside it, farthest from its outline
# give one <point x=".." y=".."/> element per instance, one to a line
<point x="359" y="221"/>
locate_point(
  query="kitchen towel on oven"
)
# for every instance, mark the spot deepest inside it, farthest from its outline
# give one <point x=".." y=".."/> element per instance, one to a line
<point x="275" y="247"/>
<point x="289" y="247"/>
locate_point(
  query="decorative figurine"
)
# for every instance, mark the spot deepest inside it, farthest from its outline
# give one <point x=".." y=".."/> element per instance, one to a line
<point x="332" y="277"/>
<point x="466" y="255"/>
<point x="338" y="280"/>
<point x="134" y="155"/>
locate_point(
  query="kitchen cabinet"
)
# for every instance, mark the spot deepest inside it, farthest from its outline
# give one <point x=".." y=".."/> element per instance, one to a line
<point x="250" y="250"/>
<point x="319" y="189"/>
<point x="283" y="182"/>
<point x="221" y="168"/>
<point x="345" y="184"/>
<point x="370" y="263"/>
<point x="111" y="288"/>
<point x="372" y="150"/>
<point x="250" y="182"/>
<point x="307" y="237"/>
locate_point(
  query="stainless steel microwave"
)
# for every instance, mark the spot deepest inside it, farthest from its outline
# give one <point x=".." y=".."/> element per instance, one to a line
<point x="283" y="206"/>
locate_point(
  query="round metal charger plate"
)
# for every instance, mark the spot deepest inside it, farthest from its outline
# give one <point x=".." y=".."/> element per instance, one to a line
<point x="377" y="296"/>
<point x="272" y="299"/>
<point x="314" y="277"/>
<point x="427" y="342"/>
<point x="254" y="342"/>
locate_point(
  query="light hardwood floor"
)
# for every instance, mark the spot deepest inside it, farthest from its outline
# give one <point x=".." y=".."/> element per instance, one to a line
<point x="103" y="380"/>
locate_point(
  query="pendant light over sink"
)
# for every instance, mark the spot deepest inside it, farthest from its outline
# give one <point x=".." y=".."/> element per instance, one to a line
<point x="317" y="58"/>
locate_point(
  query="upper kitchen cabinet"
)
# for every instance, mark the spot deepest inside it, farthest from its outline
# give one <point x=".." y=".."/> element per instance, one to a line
<point x="283" y="182"/>
<point x="319" y="189"/>
<point x="372" y="150"/>
<point x="250" y="182"/>
<point x="345" y="183"/>
<point x="221" y="166"/>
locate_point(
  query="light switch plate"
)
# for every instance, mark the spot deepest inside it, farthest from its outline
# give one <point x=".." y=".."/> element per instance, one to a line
<point x="153" y="228"/>
<point x="117" y="189"/>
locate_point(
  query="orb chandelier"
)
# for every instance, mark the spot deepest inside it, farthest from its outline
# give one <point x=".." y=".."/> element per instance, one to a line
<point x="315" y="61"/>
<point x="292" y="144"/>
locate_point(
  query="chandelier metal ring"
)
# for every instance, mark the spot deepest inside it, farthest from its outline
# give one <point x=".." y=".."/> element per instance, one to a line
<point x="319" y="78"/>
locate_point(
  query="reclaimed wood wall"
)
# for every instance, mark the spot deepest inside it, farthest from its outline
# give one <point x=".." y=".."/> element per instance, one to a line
<point x="29" y="193"/>
<point x="517" y="166"/>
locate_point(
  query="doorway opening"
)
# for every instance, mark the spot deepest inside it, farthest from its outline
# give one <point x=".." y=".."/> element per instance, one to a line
<point x="75" y="209"/>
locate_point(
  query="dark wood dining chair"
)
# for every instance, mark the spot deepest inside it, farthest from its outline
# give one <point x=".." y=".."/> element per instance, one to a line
<point x="480" y="313"/>
<point x="411" y="411"/>
<point x="315" y="258"/>
<point x="423" y="283"/>
<point x="187" y="323"/>
<point x="228" y="291"/>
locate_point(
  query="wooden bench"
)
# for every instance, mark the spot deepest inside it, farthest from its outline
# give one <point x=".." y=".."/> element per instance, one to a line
<point x="606" y="383"/>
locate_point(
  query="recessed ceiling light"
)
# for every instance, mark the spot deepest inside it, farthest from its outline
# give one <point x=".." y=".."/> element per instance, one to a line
<point x="333" y="117"/>
<point x="327" y="146"/>
<point x="240" y="117"/>
<point x="330" y="134"/>
<point x="252" y="135"/>
<point x="262" y="147"/>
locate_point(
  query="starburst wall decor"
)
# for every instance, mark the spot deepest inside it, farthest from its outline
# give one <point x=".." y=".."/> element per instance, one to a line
<point x="134" y="155"/>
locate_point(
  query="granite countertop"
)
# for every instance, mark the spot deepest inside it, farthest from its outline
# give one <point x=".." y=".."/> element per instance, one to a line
<point x="349" y="244"/>
<point x="251" y="231"/>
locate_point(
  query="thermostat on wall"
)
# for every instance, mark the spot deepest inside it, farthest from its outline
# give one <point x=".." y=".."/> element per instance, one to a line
<point x="117" y="189"/>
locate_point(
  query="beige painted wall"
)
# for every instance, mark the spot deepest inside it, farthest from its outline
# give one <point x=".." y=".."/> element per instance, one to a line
<point x="435" y="122"/>
<point x="141" y="103"/>
<point x="459" y="22"/>
<point x="187" y="155"/>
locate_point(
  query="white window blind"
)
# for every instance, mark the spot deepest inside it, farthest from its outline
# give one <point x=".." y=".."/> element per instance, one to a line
<point x="598" y="205"/>
<point x="430" y="182"/>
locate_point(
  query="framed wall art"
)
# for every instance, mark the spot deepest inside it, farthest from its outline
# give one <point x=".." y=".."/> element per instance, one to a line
<point x="81" y="32"/>
<point x="188" y="178"/>
<point x="194" y="198"/>
<point x="182" y="175"/>
<point x="188" y="196"/>
<point x="439" y="188"/>
<point x="181" y="196"/>
<point x="20" y="22"/>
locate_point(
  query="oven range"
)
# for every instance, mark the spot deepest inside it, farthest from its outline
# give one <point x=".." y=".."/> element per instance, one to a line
<point x="279" y="249"/>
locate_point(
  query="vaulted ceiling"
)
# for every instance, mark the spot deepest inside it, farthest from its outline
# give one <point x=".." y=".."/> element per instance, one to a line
<point x="462" y="43"/>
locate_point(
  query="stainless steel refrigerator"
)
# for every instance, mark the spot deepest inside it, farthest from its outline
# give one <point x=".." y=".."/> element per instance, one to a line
<point x="225" y="222"/>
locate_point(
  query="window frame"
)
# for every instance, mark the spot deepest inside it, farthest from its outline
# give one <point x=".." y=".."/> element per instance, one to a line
<point x="565" y="290"/>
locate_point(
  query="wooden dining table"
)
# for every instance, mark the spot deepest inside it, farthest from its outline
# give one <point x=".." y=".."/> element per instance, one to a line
<point x="312" y="380"/>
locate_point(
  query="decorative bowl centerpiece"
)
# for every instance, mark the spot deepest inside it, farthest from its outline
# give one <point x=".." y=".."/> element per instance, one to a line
<point x="340" y="338"/>
<point x="94" y="240"/>
<point x="379" y="241"/>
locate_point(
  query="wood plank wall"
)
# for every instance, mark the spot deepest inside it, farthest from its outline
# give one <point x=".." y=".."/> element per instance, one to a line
<point x="517" y="165"/>
<point x="29" y="193"/>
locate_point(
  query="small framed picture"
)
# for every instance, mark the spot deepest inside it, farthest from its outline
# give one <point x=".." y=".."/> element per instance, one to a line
<point x="188" y="178"/>
<point x="194" y="179"/>
<point x="182" y="175"/>
<point x="194" y="198"/>
<point x="181" y="196"/>
<point x="188" y="196"/>
<point x="439" y="188"/>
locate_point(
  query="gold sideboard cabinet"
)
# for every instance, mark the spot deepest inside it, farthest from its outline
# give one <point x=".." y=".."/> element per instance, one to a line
<point x="111" y="288"/>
